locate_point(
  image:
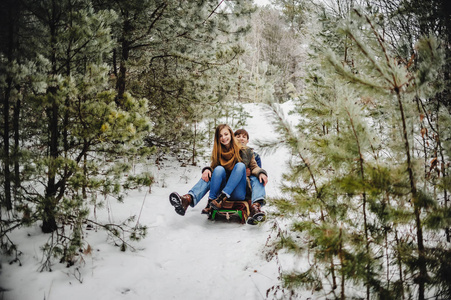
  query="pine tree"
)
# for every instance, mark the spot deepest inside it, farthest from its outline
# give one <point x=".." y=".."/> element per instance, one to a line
<point x="180" y="56"/>
<point x="86" y="80"/>
<point x="273" y="61"/>
<point x="17" y="68"/>
<point x="410" y="20"/>
<point x="69" y="124"/>
<point x="355" y="186"/>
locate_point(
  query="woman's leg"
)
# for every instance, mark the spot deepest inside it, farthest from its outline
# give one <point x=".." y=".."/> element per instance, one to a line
<point x="198" y="191"/>
<point x="217" y="182"/>
<point x="235" y="188"/>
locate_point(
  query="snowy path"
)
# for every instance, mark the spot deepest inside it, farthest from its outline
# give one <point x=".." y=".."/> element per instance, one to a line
<point x="186" y="257"/>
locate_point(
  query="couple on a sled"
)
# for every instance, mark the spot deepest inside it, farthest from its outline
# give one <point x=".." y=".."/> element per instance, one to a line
<point x="235" y="179"/>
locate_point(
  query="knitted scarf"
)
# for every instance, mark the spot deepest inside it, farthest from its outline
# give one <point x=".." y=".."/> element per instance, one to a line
<point x="227" y="159"/>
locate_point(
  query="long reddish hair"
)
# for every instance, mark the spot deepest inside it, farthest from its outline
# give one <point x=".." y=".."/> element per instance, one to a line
<point x="218" y="148"/>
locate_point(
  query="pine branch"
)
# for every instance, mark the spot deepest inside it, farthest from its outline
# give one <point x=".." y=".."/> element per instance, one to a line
<point x="293" y="141"/>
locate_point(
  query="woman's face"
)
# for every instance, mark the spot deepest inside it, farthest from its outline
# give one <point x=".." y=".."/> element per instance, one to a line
<point x="224" y="137"/>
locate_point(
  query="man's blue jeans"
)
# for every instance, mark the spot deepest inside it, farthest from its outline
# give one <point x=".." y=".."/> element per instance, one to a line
<point x="258" y="190"/>
<point x="201" y="188"/>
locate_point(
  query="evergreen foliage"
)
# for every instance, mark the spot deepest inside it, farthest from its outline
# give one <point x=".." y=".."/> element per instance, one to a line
<point x="89" y="90"/>
<point x="181" y="57"/>
<point x="273" y="57"/>
<point x="360" y="200"/>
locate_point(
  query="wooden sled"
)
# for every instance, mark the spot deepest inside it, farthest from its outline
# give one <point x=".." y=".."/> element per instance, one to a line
<point x="232" y="211"/>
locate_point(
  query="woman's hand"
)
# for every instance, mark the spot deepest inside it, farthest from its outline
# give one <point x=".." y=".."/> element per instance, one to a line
<point x="206" y="175"/>
<point x="263" y="179"/>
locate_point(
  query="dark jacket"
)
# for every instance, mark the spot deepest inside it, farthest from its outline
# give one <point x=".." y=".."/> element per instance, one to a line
<point x="257" y="158"/>
<point x="247" y="155"/>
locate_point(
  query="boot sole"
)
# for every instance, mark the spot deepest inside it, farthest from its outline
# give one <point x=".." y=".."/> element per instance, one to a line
<point x="256" y="219"/>
<point x="175" y="200"/>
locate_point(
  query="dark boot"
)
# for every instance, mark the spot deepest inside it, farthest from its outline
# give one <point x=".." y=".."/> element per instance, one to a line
<point x="207" y="209"/>
<point x="217" y="203"/>
<point x="256" y="214"/>
<point x="180" y="203"/>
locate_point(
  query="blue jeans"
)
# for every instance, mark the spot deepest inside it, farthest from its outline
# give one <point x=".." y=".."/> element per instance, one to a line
<point x="232" y="184"/>
<point x="198" y="191"/>
<point x="201" y="188"/>
<point x="258" y="190"/>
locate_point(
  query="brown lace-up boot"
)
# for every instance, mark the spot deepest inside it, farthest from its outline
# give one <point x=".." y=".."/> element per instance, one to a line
<point x="186" y="201"/>
<point x="180" y="203"/>
<point x="256" y="214"/>
<point x="207" y="208"/>
<point x="255" y="208"/>
<point x="217" y="203"/>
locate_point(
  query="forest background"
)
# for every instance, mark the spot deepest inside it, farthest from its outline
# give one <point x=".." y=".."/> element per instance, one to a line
<point x="91" y="88"/>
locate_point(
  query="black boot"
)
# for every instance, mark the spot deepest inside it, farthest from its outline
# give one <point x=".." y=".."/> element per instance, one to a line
<point x="180" y="203"/>
<point x="217" y="203"/>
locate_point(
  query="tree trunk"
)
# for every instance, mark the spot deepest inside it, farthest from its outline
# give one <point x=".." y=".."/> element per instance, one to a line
<point x="332" y="273"/>
<point x="12" y="13"/>
<point x="194" y="144"/>
<point x="365" y="221"/>
<point x="49" y="221"/>
<point x="421" y="279"/>
<point x="343" y="275"/>
<point x="48" y="217"/>
<point x="16" y="122"/>
<point x="7" y="157"/>
<point x="122" y="76"/>
<point x="399" y="262"/>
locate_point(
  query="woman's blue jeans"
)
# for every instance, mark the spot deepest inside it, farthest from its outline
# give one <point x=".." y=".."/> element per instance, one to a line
<point x="233" y="184"/>
<point x="198" y="191"/>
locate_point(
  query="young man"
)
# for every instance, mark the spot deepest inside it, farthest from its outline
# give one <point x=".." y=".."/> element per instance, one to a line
<point x="201" y="188"/>
<point x="257" y="189"/>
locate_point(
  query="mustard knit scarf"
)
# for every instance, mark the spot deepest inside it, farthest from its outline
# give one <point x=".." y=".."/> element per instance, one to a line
<point x="228" y="159"/>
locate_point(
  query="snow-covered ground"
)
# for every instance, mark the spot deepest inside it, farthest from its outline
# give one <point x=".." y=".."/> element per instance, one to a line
<point x="185" y="257"/>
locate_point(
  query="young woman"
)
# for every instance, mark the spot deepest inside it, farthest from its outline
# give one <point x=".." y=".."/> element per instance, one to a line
<point x="226" y="174"/>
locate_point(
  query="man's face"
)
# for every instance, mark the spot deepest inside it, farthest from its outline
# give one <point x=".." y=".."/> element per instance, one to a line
<point x="242" y="138"/>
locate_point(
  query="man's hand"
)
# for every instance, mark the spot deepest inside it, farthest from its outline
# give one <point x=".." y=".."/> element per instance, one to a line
<point x="248" y="172"/>
<point x="263" y="179"/>
<point x="206" y="175"/>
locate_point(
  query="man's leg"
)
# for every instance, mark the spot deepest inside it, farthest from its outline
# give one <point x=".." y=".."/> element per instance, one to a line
<point x="258" y="200"/>
<point x="258" y="190"/>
